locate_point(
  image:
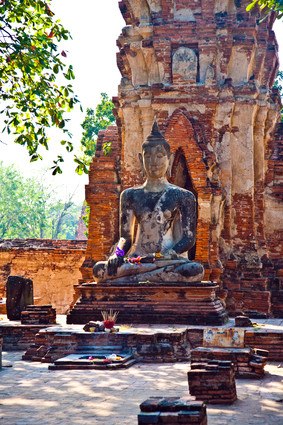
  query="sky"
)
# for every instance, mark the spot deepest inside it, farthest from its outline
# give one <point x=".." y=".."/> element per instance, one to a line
<point x="94" y="26"/>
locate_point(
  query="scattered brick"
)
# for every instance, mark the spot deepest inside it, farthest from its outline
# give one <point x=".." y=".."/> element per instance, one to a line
<point x="213" y="382"/>
<point x="248" y="363"/>
<point x="38" y="314"/>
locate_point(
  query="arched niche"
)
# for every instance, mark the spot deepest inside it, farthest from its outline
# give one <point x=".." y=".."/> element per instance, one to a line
<point x="181" y="177"/>
<point x="190" y="171"/>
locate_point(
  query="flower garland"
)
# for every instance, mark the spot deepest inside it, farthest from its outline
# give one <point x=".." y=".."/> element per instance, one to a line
<point x="133" y="260"/>
<point x="137" y="260"/>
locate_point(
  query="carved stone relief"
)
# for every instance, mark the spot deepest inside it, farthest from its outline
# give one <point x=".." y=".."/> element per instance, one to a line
<point x="185" y="63"/>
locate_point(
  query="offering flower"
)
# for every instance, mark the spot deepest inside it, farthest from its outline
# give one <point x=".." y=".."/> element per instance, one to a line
<point x="109" y="319"/>
<point x="119" y="252"/>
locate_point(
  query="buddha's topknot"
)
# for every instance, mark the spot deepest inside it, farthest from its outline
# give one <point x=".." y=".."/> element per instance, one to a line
<point x="156" y="138"/>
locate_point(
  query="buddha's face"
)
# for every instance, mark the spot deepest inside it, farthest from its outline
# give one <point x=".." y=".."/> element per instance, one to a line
<point x="155" y="161"/>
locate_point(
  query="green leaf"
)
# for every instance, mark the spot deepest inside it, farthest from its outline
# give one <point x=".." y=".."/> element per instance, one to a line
<point x="251" y="5"/>
<point x="69" y="147"/>
<point x="57" y="170"/>
<point x="56" y="68"/>
<point x="34" y="158"/>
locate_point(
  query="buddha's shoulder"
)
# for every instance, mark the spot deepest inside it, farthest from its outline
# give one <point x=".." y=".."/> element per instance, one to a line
<point x="179" y="192"/>
<point x="132" y="192"/>
<point x="171" y="190"/>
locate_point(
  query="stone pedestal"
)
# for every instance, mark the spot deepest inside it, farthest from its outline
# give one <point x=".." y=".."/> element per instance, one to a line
<point x="150" y="303"/>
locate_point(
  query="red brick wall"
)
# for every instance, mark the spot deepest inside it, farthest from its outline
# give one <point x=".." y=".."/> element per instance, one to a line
<point x="52" y="265"/>
<point x="102" y="195"/>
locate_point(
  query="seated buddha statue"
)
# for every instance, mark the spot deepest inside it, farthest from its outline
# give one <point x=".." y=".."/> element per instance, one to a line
<point x="164" y="216"/>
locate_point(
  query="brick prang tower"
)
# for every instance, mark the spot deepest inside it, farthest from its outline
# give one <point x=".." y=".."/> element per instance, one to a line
<point x="205" y="71"/>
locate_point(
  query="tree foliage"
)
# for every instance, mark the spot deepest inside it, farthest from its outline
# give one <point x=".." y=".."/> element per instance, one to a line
<point x="95" y="121"/>
<point x="268" y="6"/>
<point x="29" y="64"/>
<point x="29" y="209"/>
<point x="85" y="217"/>
<point x="279" y="81"/>
<point x="278" y="84"/>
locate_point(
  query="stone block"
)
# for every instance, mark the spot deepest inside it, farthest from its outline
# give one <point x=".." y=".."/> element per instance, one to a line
<point x="172" y="410"/>
<point x="19" y="295"/>
<point x="242" y="321"/>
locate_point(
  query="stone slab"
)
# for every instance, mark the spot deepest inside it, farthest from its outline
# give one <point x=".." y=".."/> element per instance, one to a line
<point x="95" y="359"/>
<point x="224" y="337"/>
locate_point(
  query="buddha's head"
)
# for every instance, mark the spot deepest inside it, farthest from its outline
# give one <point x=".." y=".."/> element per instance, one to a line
<point x="156" y="158"/>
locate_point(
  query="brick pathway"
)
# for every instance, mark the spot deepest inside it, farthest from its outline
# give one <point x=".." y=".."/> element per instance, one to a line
<point x="30" y="394"/>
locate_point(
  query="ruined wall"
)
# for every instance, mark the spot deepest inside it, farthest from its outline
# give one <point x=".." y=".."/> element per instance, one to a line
<point x="102" y="195"/>
<point x="205" y="70"/>
<point x="53" y="266"/>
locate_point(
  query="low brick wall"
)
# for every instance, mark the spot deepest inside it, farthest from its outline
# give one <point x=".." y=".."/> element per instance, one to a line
<point x="266" y="339"/>
<point x="19" y="337"/>
<point x="148" y="347"/>
<point x="52" y="265"/>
